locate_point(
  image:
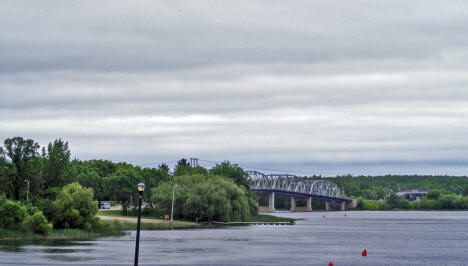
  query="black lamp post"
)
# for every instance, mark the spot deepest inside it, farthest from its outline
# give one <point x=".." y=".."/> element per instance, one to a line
<point x="141" y="188"/>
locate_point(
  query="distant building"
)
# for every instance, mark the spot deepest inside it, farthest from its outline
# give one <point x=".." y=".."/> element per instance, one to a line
<point x="412" y="194"/>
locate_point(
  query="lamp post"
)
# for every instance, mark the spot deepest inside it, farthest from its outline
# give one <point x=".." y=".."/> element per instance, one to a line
<point x="172" y="209"/>
<point x="141" y="188"/>
<point x="27" y="194"/>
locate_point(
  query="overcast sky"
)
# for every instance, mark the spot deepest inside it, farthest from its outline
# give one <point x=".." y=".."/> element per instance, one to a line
<point x="311" y="87"/>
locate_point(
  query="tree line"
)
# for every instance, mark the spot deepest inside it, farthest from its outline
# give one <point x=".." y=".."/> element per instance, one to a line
<point x="48" y="179"/>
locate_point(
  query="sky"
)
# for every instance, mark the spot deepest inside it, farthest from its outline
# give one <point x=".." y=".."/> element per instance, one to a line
<point x="305" y="87"/>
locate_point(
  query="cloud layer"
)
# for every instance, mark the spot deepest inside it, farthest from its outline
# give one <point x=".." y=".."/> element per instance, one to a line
<point x="323" y="87"/>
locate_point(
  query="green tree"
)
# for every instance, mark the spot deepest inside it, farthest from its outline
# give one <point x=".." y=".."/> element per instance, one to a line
<point x="232" y="171"/>
<point x="75" y="208"/>
<point x="12" y="214"/>
<point x="393" y="201"/>
<point x="121" y="186"/>
<point x="164" y="167"/>
<point x="21" y="152"/>
<point x="433" y="194"/>
<point x="37" y="223"/>
<point x="182" y="168"/>
<point x="56" y="163"/>
<point x="206" y="197"/>
<point x="449" y="201"/>
<point x="152" y="177"/>
<point x="4" y="180"/>
<point x="465" y="191"/>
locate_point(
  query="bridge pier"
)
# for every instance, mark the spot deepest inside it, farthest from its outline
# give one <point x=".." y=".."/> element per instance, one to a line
<point x="271" y="202"/>
<point x="309" y="204"/>
<point x="293" y="204"/>
<point x="342" y="206"/>
<point x="327" y="205"/>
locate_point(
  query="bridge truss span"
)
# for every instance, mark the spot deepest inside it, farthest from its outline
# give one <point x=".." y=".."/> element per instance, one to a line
<point x="294" y="185"/>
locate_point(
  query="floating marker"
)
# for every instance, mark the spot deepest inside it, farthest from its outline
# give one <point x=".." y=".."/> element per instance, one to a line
<point x="323" y="216"/>
<point x="364" y="253"/>
<point x="330" y="264"/>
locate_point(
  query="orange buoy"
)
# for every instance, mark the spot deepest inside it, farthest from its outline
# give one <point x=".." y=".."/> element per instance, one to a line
<point x="330" y="264"/>
<point x="364" y="253"/>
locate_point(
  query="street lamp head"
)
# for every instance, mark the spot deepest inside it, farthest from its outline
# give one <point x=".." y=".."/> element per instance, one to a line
<point x="141" y="187"/>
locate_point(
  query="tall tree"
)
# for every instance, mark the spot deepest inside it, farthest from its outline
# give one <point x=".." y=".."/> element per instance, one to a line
<point x="4" y="166"/>
<point x="21" y="153"/>
<point x="56" y="162"/>
<point x="232" y="171"/>
<point x="121" y="186"/>
<point x="182" y="168"/>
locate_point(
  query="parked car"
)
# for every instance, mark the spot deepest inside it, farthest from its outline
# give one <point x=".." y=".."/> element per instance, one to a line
<point x="105" y="205"/>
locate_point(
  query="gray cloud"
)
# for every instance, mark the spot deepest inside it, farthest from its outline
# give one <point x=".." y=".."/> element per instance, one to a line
<point x="324" y="87"/>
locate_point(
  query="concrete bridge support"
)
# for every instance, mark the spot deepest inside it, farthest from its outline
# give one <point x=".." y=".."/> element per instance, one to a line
<point x="271" y="202"/>
<point x="342" y="206"/>
<point x="293" y="204"/>
<point x="327" y="205"/>
<point x="309" y="204"/>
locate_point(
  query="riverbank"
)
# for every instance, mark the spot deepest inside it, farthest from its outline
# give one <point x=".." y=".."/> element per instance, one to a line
<point x="151" y="221"/>
<point x="62" y="234"/>
<point x="113" y="223"/>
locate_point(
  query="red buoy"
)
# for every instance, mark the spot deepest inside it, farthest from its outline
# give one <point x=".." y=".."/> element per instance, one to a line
<point x="364" y="253"/>
<point x="323" y="216"/>
<point x="330" y="264"/>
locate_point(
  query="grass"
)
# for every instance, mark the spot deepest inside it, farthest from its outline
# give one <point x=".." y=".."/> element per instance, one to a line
<point x="268" y="218"/>
<point x="254" y="218"/>
<point x="62" y="233"/>
<point x="164" y="224"/>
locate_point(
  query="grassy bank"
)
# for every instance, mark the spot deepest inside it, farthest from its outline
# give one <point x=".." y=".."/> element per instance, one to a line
<point x="254" y="218"/>
<point x="61" y="233"/>
<point x="268" y="218"/>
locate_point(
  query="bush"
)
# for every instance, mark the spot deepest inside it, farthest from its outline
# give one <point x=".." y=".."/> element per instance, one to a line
<point x="463" y="203"/>
<point x="37" y="223"/>
<point x="75" y="208"/>
<point x="449" y="201"/>
<point x="429" y="204"/>
<point x="433" y="194"/>
<point x="12" y="214"/>
<point x="372" y="205"/>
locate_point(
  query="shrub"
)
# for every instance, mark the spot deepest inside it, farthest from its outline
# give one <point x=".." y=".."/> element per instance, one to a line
<point x="429" y="203"/>
<point x="12" y="214"/>
<point x="433" y="194"/>
<point x="372" y="205"/>
<point x="449" y="201"/>
<point x="463" y="202"/>
<point x="75" y="208"/>
<point x="37" y="223"/>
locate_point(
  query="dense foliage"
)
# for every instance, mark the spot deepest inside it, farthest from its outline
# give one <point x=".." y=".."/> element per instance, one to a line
<point x="75" y="208"/>
<point x="434" y="200"/>
<point x="48" y="186"/>
<point x="205" y="197"/>
<point x="16" y="216"/>
<point x="378" y="187"/>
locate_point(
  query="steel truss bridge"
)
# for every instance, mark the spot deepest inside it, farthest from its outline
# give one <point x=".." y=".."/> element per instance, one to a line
<point x="294" y="186"/>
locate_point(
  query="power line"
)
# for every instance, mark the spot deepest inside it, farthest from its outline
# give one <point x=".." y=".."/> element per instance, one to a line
<point x="259" y="168"/>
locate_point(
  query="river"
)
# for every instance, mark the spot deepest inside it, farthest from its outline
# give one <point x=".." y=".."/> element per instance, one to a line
<point x="390" y="238"/>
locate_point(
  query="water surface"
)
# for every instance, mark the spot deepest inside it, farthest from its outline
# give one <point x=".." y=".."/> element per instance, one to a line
<point x="390" y="238"/>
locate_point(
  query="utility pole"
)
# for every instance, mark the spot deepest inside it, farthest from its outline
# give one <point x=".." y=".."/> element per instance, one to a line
<point x="194" y="162"/>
